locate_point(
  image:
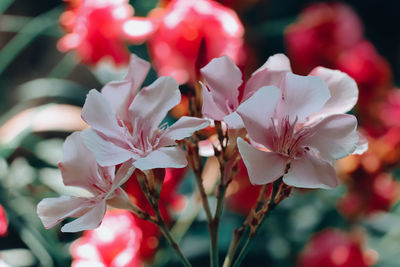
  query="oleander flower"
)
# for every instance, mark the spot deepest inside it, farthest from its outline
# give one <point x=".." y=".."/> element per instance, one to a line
<point x="98" y="29"/>
<point x="3" y="222"/>
<point x="125" y="129"/>
<point x="79" y="168"/>
<point x="299" y="126"/>
<point x="193" y="32"/>
<point x="333" y="248"/>
<point x="114" y="243"/>
<point x="322" y="32"/>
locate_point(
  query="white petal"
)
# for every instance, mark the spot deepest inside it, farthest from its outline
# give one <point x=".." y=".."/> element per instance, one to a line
<point x="123" y="174"/>
<point x="137" y="72"/>
<point x="90" y="220"/>
<point x="311" y="172"/>
<point x="334" y="137"/>
<point x="234" y="121"/>
<point x="106" y="153"/>
<point x="98" y="114"/>
<point x="165" y="157"/>
<point x="119" y="95"/>
<point x="264" y="77"/>
<point x="362" y="145"/>
<point x="78" y="165"/>
<point x="152" y="103"/>
<point x="183" y="128"/>
<point x="277" y="62"/>
<point x="257" y="113"/>
<point x="343" y="90"/>
<point x="223" y="78"/>
<point x="302" y="96"/>
<point x="52" y="211"/>
<point x="210" y="107"/>
<point x="262" y="167"/>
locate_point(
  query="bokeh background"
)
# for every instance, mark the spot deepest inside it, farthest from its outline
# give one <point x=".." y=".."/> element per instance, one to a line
<point x="43" y="89"/>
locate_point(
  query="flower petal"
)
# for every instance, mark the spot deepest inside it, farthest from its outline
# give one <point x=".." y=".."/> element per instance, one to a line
<point x="264" y="77"/>
<point x="165" y="157"/>
<point x="51" y="211"/>
<point x="90" y="220"/>
<point x="262" y="167"/>
<point x="106" y="153"/>
<point x="183" y="128"/>
<point x="119" y="95"/>
<point x="122" y="175"/>
<point x="343" y="90"/>
<point x="311" y="172"/>
<point x="78" y="165"/>
<point x="234" y="121"/>
<point x="277" y="62"/>
<point x="257" y="113"/>
<point x="97" y="112"/>
<point x="223" y="78"/>
<point x="334" y="137"/>
<point x="152" y="103"/>
<point x="210" y="107"/>
<point x="362" y="144"/>
<point x="302" y="96"/>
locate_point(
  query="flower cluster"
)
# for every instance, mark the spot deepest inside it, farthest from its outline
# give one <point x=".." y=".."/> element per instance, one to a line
<point x="191" y="31"/>
<point x="286" y="129"/>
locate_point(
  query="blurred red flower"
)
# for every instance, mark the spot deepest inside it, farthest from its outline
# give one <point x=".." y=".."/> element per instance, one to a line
<point x="3" y="222"/>
<point x="169" y="199"/>
<point x="115" y="243"/>
<point x="95" y="29"/>
<point x="190" y="33"/>
<point x="334" y="248"/>
<point x="322" y="32"/>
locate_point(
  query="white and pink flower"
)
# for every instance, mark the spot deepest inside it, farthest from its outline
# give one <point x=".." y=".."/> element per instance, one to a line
<point x="297" y="126"/>
<point x="125" y="126"/>
<point x="79" y="168"/>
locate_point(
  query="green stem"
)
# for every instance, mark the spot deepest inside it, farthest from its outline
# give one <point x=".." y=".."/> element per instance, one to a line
<point x="64" y="67"/>
<point x="27" y="34"/>
<point x="270" y="206"/>
<point x="160" y="221"/>
<point x="4" y="5"/>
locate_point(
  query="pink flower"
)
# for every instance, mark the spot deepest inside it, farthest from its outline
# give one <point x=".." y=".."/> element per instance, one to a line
<point x="298" y="124"/>
<point x="115" y="243"/>
<point x="125" y="128"/>
<point x="193" y="32"/>
<point x="79" y="168"/>
<point x="3" y="222"/>
<point x="97" y="29"/>
<point x="334" y="248"/>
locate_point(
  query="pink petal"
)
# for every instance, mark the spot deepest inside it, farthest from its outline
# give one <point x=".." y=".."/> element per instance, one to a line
<point x="210" y="107"/>
<point x="343" y="90"/>
<point x="106" y="153"/>
<point x="302" y="96"/>
<point x="52" y="211"/>
<point x="223" y="78"/>
<point x="311" y="172"/>
<point x="137" y="72"/>
<point x="257" y="113"/>
<point x="234" y="121"/>
<point x="181" y="129"/>
<point x="119" y="95"/>
<point x="262" y="167"/>
<point x="264" y="77"/>
<point x="78" y="165"/>
<point x="152" y="103"/>
<point x="165" y="157"/>
<point x="90" y="220"/>
<point x="334" y="137"/>
<point x="277" y="62"/>
<point x="122" y="175"/>
<point x="98" y="114"/>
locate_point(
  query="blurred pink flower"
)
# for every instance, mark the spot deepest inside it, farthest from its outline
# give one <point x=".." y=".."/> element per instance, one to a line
<point x="191" y="33"/>
<point x="336" y="248"/>
<point x="114" y="244"/>
<point x="96" y="30"/>
<point x="298" y="120"/>
<point x="322" y="32"/>
<point x="3" y="222"/>
<point x="79" y="168"/>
